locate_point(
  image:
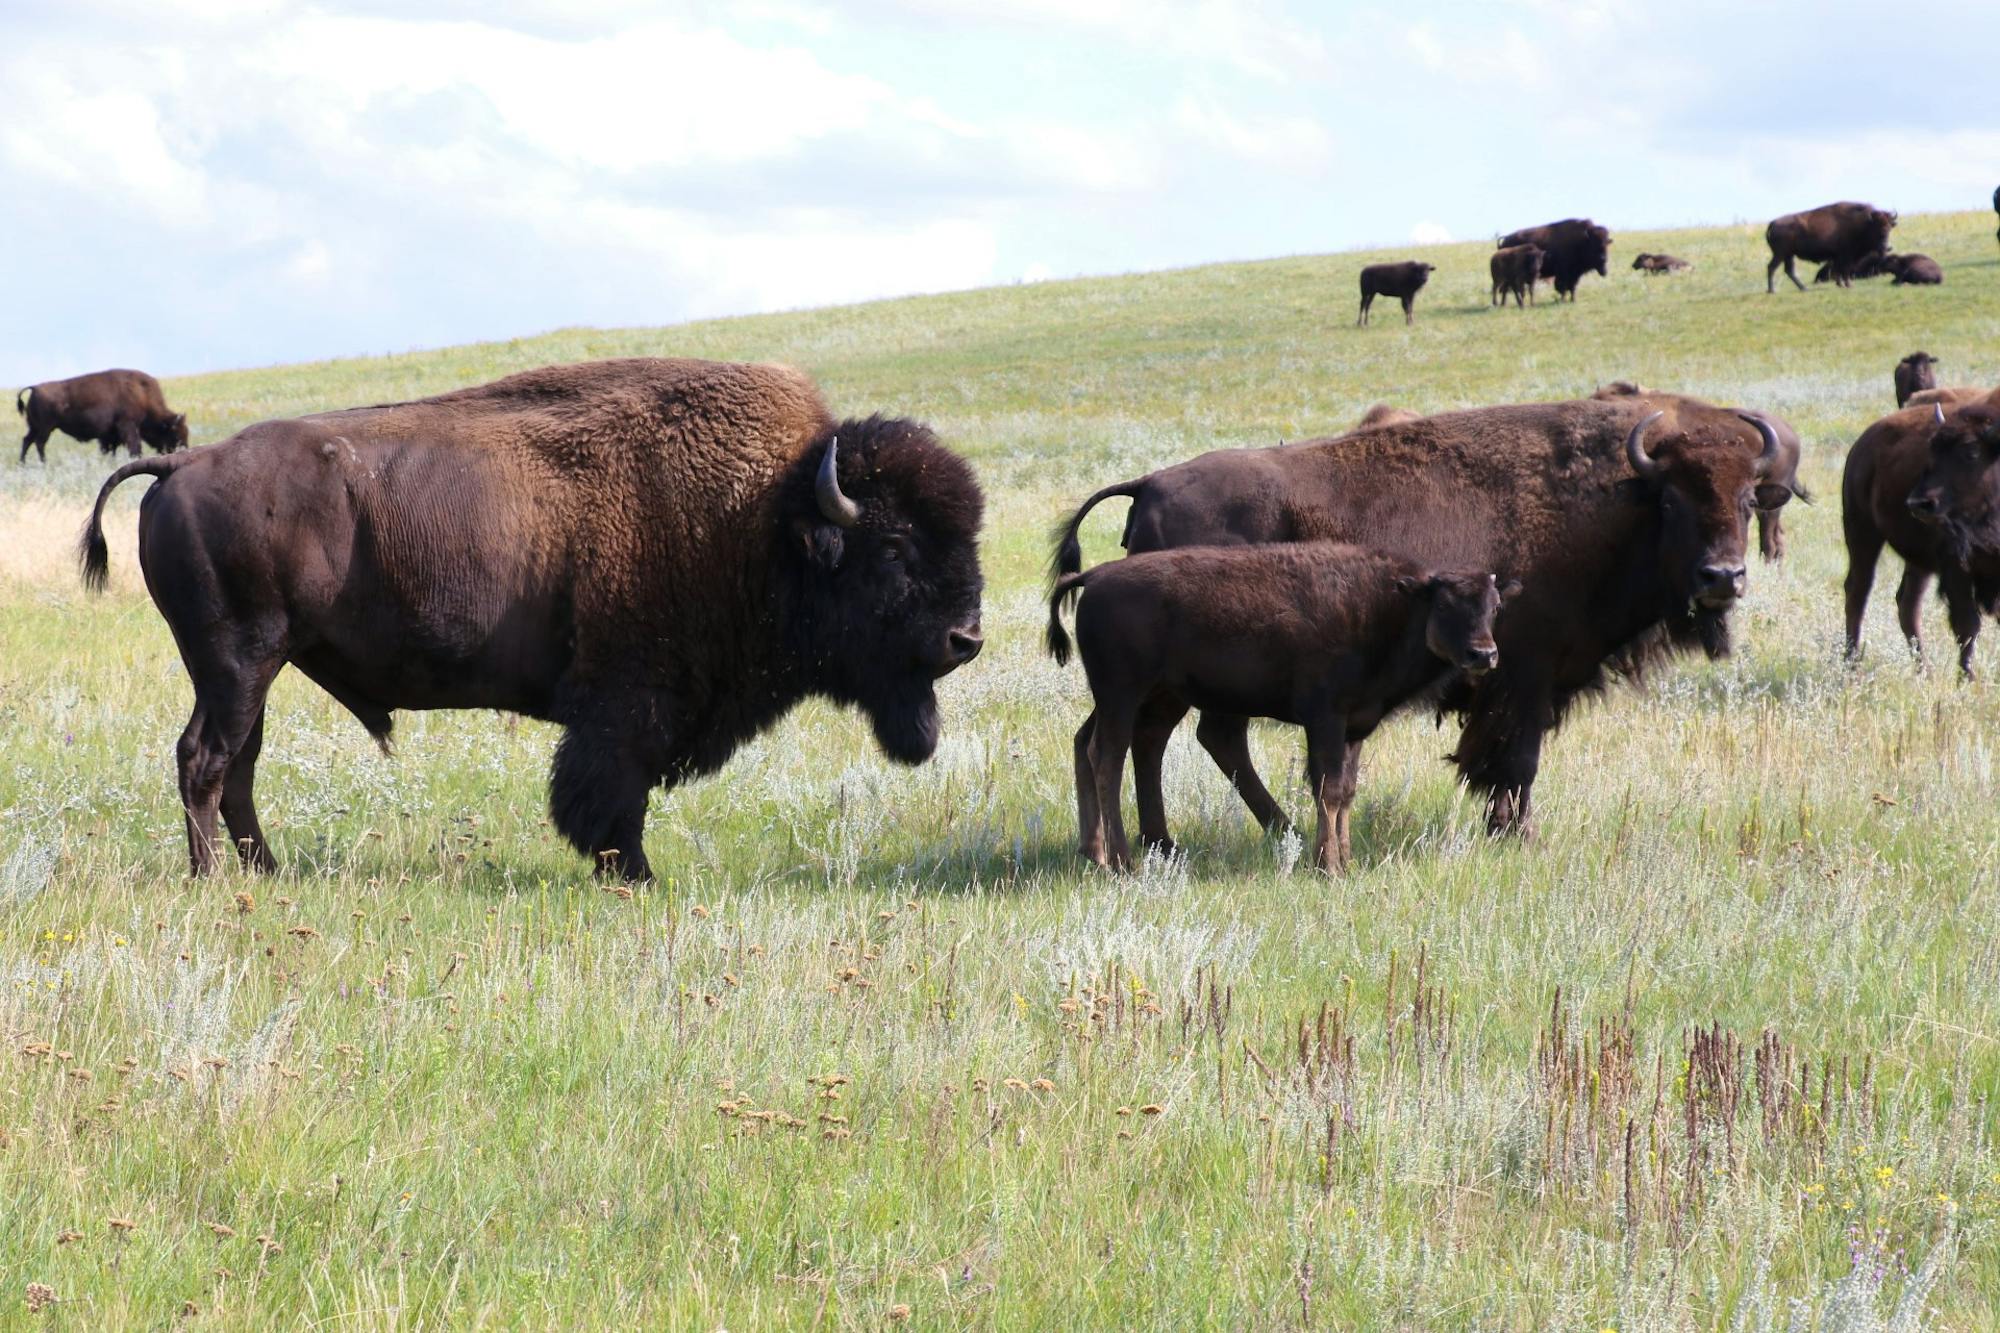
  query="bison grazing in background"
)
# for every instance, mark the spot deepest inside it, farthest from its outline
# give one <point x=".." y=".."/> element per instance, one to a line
<point x="1384" y="415"/>
<point x="1652" y="265"/>
<point x="1333" y="638"/>
<point x="1625" y="520"/>
<point x="1402" y="281"/>
<point x="1914" y="270"/>
<point x="1515" y="270"/>
<point x="661" y="556"/>
<point x="1838" y="235"/>
<point x="1570" y="249"/>
<point x="1914" y="374"/>
<point x="1888" y="497"/>
<point x="1862" y="269"/>
<point x="112" y="407"/>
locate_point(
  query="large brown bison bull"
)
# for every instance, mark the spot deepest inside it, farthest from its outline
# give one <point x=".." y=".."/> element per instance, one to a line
<point x="1570" y="249"/>
<point x="1625" y="520"/>
<point x="1840" y="236"/>
<point x="661" y="556"/>
<point x="112" y="407"/>
<point x="1331" y="637"/>
<point x="1918" y="482"/>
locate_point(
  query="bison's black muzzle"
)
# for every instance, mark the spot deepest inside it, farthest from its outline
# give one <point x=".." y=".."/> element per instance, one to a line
<point x="1479" y="661"/>
<point x="960" y="647"/>
<point x="1719" y="585"/>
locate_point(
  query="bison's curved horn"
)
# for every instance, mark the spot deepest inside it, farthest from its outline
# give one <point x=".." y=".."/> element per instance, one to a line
<point x="1937" y="414"/>
<point x="1635" y="450"/>
<point x="1771" y="446"/>
<point x="839" y="510"/>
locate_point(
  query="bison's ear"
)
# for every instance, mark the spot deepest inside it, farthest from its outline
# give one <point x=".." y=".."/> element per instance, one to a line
<point x="1510" y="590"/>
<point x="1774" y="494"/>
<point x="1414" y="585"/>
<point x="822" y="543"/>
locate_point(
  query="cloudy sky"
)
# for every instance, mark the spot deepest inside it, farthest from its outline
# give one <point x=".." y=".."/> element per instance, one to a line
<point x="195" y="184"/>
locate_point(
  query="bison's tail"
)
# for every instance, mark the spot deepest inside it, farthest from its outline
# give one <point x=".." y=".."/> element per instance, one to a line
<point x="91" y="551"/>
<point x="1066" y="589"/>
<point x="21" y="402"/>
<point x="1068" y="557"/>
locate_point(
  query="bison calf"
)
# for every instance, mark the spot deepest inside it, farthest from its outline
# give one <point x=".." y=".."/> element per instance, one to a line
<point x="1515" y="271"/>
<point x="1403" y="281"/>
<point x="1328" y="636"/>
<point x="1913" y="375"/>
<point x="1651" y="265"/>
<point x="1913" y="270"/>
<point x="112" y="407"/>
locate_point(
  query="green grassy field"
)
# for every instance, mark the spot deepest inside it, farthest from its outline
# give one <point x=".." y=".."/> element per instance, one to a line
<point x="878" y="1048"/>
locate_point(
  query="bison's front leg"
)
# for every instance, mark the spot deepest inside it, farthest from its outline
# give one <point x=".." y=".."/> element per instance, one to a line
<point x="1226" y="737"/>
<point x="1500" y="751"/>
<point x="1157" y="721"/>
<point x="1771" y="534"/>
<point x="1089" y="820"/>
<point x="598" y="789"/>
<point x="1334" y="768"/>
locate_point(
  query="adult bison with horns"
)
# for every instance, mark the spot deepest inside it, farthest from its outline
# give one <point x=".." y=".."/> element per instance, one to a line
<point x="1625" y="519"/>
<point x="662" y="556"/>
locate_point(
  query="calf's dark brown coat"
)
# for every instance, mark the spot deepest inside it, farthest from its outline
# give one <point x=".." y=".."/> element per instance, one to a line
<point x="1330" y="637"/>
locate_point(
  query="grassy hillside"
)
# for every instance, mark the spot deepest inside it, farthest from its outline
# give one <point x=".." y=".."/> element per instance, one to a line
<point x="878" y="1048"/>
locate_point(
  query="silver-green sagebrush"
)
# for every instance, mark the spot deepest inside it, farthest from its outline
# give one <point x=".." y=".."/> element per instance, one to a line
<point x="1718" y="1050"/>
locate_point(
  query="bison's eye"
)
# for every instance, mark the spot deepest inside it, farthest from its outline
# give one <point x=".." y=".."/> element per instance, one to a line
<point x="895" y="549"/>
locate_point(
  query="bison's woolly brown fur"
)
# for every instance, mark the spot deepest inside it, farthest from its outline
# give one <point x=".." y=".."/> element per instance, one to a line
<point x="1653" y="265"/>
<point x="639" y="550"/>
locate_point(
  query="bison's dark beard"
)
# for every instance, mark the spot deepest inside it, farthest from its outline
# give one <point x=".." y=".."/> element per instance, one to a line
<point x="1711" y="627"/>
<point x="905" y="716"/>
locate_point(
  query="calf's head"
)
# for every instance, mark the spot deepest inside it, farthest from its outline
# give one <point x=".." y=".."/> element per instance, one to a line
<point x="1959" y="491"/>
<point x="1459" y="626"/>
<point x="1706" y="488"/>
<point x="881" y="530"/>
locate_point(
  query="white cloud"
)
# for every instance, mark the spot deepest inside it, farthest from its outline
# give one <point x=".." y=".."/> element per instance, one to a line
<point x="1430" y="233"/>
<point x="1297" y="143"/>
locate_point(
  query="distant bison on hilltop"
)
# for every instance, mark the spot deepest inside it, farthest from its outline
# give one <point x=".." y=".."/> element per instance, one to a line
<point x="1862" y="269"/>
<point x="1914" y="270"/>
<point x="1384" y="415"/>
<point x="1402" y="281"/>
<point x="1515" y="271"/>
<point x="1653" y="265"/>
<point x="112" y="407"/>
<point x="1837" y="235"/>
<point x="1570" y="249"/>
<point x="1914" y="374"/>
